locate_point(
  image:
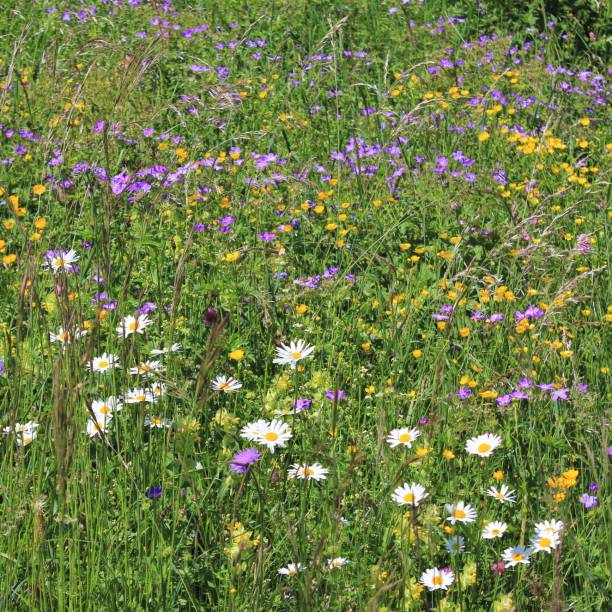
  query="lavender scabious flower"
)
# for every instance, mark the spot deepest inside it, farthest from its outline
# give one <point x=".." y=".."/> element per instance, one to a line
<point x="243" y="460"/>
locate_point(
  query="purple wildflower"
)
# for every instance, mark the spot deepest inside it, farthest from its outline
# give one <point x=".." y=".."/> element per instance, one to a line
<point x="558" y="394"/>
<point x="243" y="460"/>
<point x="464" y="393"/>
<point x="153" y="492"/>
<point x="589" y="501"/>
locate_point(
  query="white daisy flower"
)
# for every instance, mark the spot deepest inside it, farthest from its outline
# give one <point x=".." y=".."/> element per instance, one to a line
<point x="483" y="445"/>
<point x="110" y="405"/>
<point x="308" y="472"/>
<point x="157" y="422"/>
<point x="64" y="337"/>
<point x="460" y="513"/>
<point x="225" y="384"/>
<point x="545" y="542"/>
<point x="455" y="544"/>
<point x="549" y="527"/>
<point x="99" y="425"/>
<point x="254" y="430"/>
<point x="435" y="578"/>
<point x="403" y="436"/>
<point x="147" y="369"/>
<point x="133" y="325"/>
<point x="104" y="363"/>
<point x="503" y="495"/>
<point x="135" y="396"/>
<point x="517" y="554"/>
<point x="57" y="260"/>
<point x="292" y="569"/>
<point x="273" y="434"/>
<point x="158" y="389"/>
<point x="25" y="433"/>
<point x="412" y="494"/>
<point x="293" y="353"/>
<point x="164" y="351"/>
<point x="337" y="563"/>
<point x="494" y="529"/>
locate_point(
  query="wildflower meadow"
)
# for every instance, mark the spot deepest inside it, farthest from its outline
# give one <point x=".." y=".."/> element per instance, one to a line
<point x="305" y="305"/>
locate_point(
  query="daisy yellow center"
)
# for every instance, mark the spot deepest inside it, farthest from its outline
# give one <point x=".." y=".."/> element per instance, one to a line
<point x="271" y="436"/>
<point x="485" y="447"/>
<point x="141" y="398"/>
<point x="133" y="326"/>
<point x="545" y="542"/>
<point x="405" y="437"/>
<point x="105" y="410"/>
<point x="409" y="497"/>
<point x="458" y="513"/>
<point x="157" y="421"/>
<point x="296" y="355"/>
<point x="496" y="532"/>
<point x="518" y="556"/>
<point x="500" y="495"/>
<point x="103" y="364"/>
<point x="437" y="580"/>
<point x="59" y="261"/>
<point x="308" y="471"/>
<point x="223" y="385"/>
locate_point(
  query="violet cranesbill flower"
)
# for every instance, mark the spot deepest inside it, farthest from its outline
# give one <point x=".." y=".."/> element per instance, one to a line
<point x="464" y="393"/>
<point x="153" y="492"/>
<point x="301" y="404"/>
<point x="331" y="395"/>
<point x="559" y="394"/>
<point x="243" y="460"/>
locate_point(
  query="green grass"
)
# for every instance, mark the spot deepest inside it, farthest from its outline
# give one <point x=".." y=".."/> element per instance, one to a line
<point x="518" y="219"/>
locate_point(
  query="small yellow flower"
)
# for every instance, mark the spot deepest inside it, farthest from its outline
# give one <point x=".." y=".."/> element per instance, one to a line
<point x="39" y="189"/>
<point x="484" y="136"/>
<point x="236" y="355"/>
<point x="448" y="454"/>
<point x="7" y="260"/>
<point x="370" y="389"/>
<point x="490" y="394"/>
<point x="301" y="309"/>
<point x="417" y="354"/>
<point x="232" y="256"/>
<point x="40" y="224"/>
<point x="498" y="475"/>
<point x="464" y="332"/>
<point x="421" y="452"/>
